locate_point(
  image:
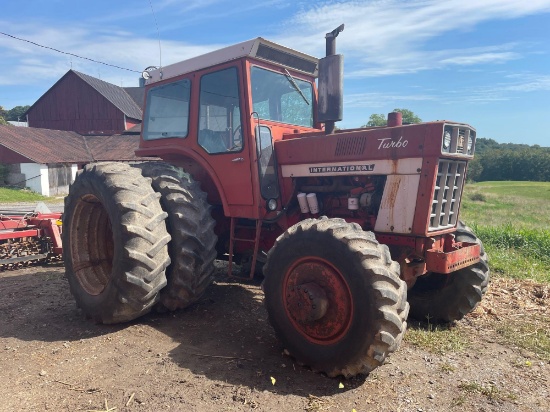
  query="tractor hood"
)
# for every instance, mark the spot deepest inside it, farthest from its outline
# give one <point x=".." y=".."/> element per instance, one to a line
<point x="350" y="151"/>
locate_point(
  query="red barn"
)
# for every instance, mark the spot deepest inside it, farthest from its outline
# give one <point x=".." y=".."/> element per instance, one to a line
<point x="87" y="105"/>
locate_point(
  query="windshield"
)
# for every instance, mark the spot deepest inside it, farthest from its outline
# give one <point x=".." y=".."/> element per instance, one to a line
<point x="274" y="97"/>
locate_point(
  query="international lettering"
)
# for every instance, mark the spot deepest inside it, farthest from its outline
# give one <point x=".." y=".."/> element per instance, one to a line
<point x="342" y="169"/>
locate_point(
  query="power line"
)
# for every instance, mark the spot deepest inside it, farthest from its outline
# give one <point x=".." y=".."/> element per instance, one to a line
<point x="70" y="54"/>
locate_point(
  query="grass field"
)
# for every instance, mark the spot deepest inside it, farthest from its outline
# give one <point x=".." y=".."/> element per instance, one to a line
<point x="511" y="218"/>
<point x="18" y="195"/>
<point x="513" y="221"/>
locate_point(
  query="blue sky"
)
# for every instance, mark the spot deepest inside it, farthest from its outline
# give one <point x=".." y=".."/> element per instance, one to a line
<point x="482" y="62"/>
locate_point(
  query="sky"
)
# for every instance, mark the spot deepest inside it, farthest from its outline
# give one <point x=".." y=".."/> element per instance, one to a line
<point x="481" y="62"/>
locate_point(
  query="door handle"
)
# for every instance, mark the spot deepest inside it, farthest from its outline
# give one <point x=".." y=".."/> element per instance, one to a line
<point x="238" y="159"/>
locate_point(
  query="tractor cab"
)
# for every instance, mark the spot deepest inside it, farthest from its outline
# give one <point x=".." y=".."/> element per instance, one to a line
<point x="217" y="116"/>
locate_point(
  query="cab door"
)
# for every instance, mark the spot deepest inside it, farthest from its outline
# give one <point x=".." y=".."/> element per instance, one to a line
<point x="221" y="137"/>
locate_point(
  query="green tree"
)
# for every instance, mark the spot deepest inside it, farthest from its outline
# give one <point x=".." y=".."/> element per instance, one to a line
<point x="408" y="116"/>
<point x="3" y="114"/>
<point x="16" y="114"/>
<point x="376" y="120"/>
<point x="380" y="119"/>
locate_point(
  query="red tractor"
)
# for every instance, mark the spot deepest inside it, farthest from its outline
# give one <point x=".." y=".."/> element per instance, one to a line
<point x="343" y="222"/>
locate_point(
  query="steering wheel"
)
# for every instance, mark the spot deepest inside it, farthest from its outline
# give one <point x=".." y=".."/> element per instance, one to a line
<point x="237" y="129"/>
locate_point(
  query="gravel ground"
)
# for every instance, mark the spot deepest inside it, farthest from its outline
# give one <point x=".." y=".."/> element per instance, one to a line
<point x="222" y="354"/>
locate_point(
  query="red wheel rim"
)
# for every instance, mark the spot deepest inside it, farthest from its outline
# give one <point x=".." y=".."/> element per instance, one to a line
<point x="317" y="300"/>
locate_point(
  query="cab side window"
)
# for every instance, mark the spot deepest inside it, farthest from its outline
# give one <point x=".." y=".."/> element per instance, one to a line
<point x="167" y="111"/>
<point x="219" y="114"/>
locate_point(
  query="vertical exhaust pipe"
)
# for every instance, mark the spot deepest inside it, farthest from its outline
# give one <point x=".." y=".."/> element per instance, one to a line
<point x="331" y="83"/>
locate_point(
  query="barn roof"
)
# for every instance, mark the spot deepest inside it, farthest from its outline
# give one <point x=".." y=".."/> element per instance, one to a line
<point x="137" y="94"/>
<point x="118" y="96"/>
<point x="46" y="146"/>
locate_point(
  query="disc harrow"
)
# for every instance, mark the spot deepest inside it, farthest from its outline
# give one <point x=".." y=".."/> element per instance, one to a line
<point x="28" y="238"/>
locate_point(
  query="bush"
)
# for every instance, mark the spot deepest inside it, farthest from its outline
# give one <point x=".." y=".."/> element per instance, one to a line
<point x="477" y="197"/>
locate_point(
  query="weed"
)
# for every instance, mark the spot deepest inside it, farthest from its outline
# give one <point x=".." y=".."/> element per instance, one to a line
<point x="490" y="391"/>
<point x="458" y="401"/>
<point x="532" y="335"/>
<point x="522" y="363"/>
<point x="438" y="339"/>
<point x="447" y="367"/>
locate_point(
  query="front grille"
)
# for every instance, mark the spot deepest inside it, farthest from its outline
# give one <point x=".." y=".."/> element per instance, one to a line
<point x="446" y="199"/>
<point x="286" y="59"/>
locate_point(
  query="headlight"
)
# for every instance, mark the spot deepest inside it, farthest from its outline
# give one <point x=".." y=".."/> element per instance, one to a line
<point x="446" y="141"/>
<point x="272" y="204"/>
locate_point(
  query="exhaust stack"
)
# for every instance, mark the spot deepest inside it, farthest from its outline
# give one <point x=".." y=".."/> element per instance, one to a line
<point x="331" y="83"/>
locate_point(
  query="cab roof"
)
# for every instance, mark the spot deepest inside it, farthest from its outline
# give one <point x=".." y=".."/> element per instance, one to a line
<point x="258" y="48"/>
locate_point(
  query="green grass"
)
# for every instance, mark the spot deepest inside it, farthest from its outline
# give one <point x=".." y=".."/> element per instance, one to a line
<point x="20" y="195"/>
<point x="522" y="204"/>
<point x="513" y="221"/>
<point x="490" y="391"/>
<point x="532" y="335"/>
<point x="439" y="339"/>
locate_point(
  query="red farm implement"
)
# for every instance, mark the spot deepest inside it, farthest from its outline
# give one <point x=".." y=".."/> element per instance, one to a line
<point x="28" y="237"/>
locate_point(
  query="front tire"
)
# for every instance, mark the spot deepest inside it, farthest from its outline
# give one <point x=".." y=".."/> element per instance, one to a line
<point x="440" y="297"/>
<point x="334" y="297"/>
<point x="114" y="243"/>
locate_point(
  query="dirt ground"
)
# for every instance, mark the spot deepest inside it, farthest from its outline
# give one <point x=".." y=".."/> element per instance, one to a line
<point x="222" y="354"/>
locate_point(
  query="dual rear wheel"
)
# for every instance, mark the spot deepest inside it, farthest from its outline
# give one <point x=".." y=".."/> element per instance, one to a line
<point x="116" y="240"/>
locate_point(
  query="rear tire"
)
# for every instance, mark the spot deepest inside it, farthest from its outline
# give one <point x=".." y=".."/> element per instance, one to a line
<point x="448" y="297"/>
<point x="334" y="297"/>
<point x="114" y="243"/>
<point x="193" y="245"/>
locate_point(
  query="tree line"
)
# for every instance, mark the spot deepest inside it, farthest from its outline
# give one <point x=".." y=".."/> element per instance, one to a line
<point x="15" y="114"/>
<point x="493" y="160"/>
<point x="509" y="161"/>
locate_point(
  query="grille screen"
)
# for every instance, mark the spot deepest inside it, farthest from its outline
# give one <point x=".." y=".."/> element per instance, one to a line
<point x="347" y="146"/>
<point x="446" y="199"/>
<point x="286" y="59"/>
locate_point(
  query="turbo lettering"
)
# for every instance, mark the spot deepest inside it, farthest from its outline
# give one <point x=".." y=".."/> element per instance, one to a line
<point x="384" y="144"/>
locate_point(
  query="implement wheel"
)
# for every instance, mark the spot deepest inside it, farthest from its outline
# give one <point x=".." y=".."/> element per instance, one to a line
<point x="334" y="297"/>
<point x="193" y="245"/>
<point x="114" y="243"/>
<point x="445" y="298"/>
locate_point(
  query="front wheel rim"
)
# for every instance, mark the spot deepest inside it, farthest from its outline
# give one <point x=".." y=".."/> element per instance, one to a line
<point x="317" y="300"/>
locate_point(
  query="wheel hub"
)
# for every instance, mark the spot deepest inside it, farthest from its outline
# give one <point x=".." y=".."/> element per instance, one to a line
<point x="318" y="300"/>
<point x="307" y="302"/>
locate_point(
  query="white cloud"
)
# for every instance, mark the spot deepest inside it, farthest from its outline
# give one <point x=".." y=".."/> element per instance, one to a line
<point x="30" y="64"/>
<point x="390" y="36"/>
<point x="378" y="100"/>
